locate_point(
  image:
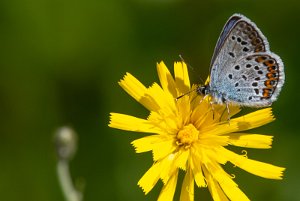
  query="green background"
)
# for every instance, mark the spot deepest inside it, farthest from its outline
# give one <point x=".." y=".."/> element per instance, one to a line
<point x="60" y="62"/>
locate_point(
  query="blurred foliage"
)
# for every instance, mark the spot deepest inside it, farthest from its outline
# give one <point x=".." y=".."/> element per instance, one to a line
<point x="60" y="64"/>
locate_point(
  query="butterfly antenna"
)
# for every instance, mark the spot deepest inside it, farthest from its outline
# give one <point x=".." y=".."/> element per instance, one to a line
<point x="191" y="67"/>
<point x="202" y="81"/>
<point x="228" y="112"/>
<point x="182" y="60"/>
<point x="185" y="94"/>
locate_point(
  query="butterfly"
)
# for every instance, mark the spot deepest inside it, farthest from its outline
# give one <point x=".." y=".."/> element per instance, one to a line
<point x="243" y="70"/>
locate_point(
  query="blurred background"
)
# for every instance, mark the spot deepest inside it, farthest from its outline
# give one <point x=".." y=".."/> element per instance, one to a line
<point x="60" y="62"/>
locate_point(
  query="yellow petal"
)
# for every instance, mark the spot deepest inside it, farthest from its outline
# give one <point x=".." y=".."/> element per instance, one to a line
<point x="182" y="158"/>
<point x="201" y="113"/>
<point x="254" y="119"/>
<point x="145" y="144"/>
<point x="207" y="80"/>
<point x="195" y="165"/>
<point x="214" y="153"/>
<point x="137" y="90"/>
<point x="229" y="187"/>
<point x="220" y="129"/>
<point x="130" y="123"/>
<point x="169" y="123"/>
<point x="251" y="140"/>
<point x="182" y="79"/>
<point x="168" y="190"/>
<point x="184" y="110"/>
<point x="166" y="80"/>
<point x="214" y="188"/>
<point x="187" y="189"/>
<point x="233" y="110"/>
<point x="150" y="178"/>
<point x="163" y="148"/>
<point x="168" y="168"/>
<point x="258" y="168"/>
<point x="209" y="141"/>
<point x="165" y="101"/>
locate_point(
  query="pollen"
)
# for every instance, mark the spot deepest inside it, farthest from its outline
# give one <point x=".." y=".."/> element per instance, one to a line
<point x="187" y="135"/>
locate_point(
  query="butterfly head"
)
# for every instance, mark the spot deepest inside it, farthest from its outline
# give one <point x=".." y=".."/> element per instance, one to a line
<point x="203" y="90"/>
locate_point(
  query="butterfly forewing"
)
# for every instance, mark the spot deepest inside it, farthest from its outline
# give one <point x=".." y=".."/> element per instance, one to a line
<point x="227" y="28"/>
<point x="243" y="70"/>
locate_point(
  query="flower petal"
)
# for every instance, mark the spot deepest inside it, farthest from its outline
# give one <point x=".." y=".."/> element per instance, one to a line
<point x="130" y="123"/>
<point x="195" y="166"/>
<point x="233" y="110"/>
<point x="214" y="188"/>
<point x="184" y="110"/>
<point x="168" y="190"/>
<point x="137" y="90"/>
<point x="229" y="187"/>
<point x="163" y="148"/>
<point x="182" y="77"/>
<point x="254" y="119"/>
<point x="169" y="123"/>
<point x="201" y="112"/>
<point x="250" y="140"/>
<point x="150" y="178"/>
<point x="164" y="101"/>
<point x="166" y="80"/>
<point x="182" y="158"/>
<point x="145" y="144"/>
<point x="187" y="189"/>
<point x="258" y="168"/>
<point x="168" y="167"/>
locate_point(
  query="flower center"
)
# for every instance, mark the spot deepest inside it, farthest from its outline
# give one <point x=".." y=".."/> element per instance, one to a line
<point x="187" y="135"/>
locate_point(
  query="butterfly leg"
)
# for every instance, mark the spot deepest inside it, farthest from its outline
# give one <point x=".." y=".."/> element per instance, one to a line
<point x="212" y="108"/>
<point x="228" y="112"/>
<point x="202" y="99"/>
<point x="211" y="103"/>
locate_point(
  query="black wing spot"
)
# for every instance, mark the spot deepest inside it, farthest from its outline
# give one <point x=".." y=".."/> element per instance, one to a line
<point x="254" y="84"/>
<point x="244" y="77"/>
<point x="258" y="40"/>
<point x="244" y="43"/>
<point x="248" y="65"/>
<point x="237" y="67"/>
<point x="256" y="67"/>
<point x="245" y="49"/>
<point x="257" y="78"/>
<point x="271" y="61"/>
<point x="231" y="54"/>
<point x="256" y="91"/>
<point x="250" y="98"/>
<point x="239" y="39"/>
<point x="230" y="76"/>
<point x="233" y="37"/>
<point x="260" y="72"/>
<point x="236" y="84"/>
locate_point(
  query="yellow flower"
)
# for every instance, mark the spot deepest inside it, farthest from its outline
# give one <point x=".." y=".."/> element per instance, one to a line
<point x="187" y="134"/>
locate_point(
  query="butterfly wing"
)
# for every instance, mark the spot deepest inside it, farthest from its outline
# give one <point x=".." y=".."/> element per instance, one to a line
<point x="241" y="45"/>
<point x="226" y="30"/>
